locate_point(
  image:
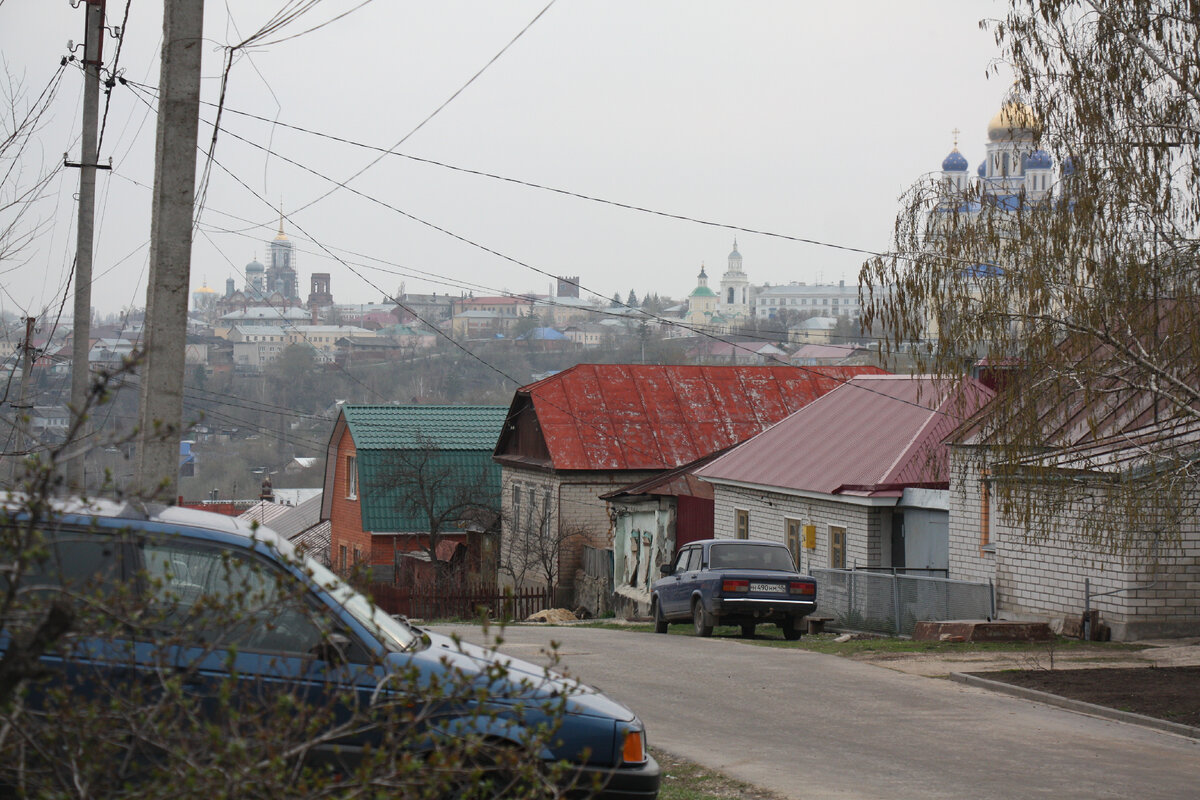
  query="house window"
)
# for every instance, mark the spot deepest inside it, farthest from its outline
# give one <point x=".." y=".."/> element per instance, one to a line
<point x="546" y="515"/>
<point x="985" y="512"/>
<point x="342" y="557"/>
<point x="795" y="540"/>
<point x="741" y="523"/>
<point x="351" y="478"/>
<point x="837" y="547"/>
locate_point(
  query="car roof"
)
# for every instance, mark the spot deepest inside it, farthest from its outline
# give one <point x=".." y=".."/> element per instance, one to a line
<point x="708" y="542"/>
<point x="201" y="524"/>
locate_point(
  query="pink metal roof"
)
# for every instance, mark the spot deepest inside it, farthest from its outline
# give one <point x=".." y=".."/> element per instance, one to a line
<point x="870" y="436"/>
<point x="632" y="416"/>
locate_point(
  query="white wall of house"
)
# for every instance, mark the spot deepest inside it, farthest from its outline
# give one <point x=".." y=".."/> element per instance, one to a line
<point x="868" y="527"/>
<point x="643" y="540"/>
<point x="1042" y="576"/>
<point x="575" y="506"/>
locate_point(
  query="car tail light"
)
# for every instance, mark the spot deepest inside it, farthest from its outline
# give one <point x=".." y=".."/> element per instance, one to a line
<point x="802" y="587"/>
<point x="728" y="585"/>
<point x="633" y="751"/>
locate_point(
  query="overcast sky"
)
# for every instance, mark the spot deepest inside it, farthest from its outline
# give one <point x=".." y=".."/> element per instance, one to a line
<point x="801" y="119"/>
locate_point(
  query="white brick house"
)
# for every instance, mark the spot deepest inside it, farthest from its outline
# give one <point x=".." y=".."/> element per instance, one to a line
<point x="843" y="494"/>
<point x="1149" y="589"/>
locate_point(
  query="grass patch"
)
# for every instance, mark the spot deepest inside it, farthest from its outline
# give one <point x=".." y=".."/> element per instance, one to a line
<point x="770" y="636"/>
<point x="686" y="780"/>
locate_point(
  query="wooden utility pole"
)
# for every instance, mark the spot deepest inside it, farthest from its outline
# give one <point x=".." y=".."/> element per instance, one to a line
<point x="93" y="59"/>
<point x="160" y="411"/>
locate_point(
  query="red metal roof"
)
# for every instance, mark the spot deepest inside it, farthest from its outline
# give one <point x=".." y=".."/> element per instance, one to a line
<point x="631" y="416"/>
<point x="871" y="436"/>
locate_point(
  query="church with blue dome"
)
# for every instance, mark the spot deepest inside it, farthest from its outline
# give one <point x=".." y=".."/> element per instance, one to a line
<point x="1013" y="170"/>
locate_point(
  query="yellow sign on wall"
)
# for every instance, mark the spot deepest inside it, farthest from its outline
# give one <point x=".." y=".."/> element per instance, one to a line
<point x="810" y="537"/>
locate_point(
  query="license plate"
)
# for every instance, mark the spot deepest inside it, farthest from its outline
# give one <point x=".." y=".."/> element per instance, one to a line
<point x="777" y="588"/>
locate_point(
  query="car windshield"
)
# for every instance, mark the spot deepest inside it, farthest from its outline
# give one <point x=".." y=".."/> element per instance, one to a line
<point x="750" y="556"/>
<point x="395" y="635"/>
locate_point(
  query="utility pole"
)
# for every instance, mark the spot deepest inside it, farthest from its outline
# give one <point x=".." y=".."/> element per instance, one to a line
<point x="21" y="407"/>
<point x="160" y="411"/>
<point x="93" y="58"/>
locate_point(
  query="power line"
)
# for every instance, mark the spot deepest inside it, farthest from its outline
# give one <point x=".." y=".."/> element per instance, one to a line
<point x="300" y="333"/>
<point x="471" y="242"/>
<point x="521" y="182"/>
<point x="434" y="113"/>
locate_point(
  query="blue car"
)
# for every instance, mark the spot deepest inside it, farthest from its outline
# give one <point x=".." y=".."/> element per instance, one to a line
<point x="741" y="582"/>
<point x="210" y="601"/>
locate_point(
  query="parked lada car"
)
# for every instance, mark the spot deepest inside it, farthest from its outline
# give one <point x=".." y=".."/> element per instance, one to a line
<point x="742" y="582"/>
<point x="218" y="610"/>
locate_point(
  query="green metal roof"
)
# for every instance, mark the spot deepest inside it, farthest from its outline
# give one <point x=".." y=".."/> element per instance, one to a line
<point x="702" y="291"/>
<point x="445" y="449"/>
<point x="419" y="426"/>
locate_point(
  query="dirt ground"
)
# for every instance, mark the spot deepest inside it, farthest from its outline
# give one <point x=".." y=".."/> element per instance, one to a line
<point x="1156" y="653"/>
<point x="1170" y="693"/>
<point x="1162" y="680"/>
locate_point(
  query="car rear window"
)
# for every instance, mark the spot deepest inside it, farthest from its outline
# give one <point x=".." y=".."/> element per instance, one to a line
<point x="749" y="556"/>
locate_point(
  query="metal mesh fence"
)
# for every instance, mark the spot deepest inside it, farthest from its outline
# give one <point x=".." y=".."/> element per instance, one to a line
<point x="892" y="603"/>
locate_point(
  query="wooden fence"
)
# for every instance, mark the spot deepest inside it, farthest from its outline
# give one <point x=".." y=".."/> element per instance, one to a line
<point x="462" y="602"/>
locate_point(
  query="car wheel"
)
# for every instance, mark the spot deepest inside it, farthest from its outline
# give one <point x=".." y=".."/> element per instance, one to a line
<point x="748" y="631"/>
<point x="698" y="620"/>
<point x="660" y="622"/>
<point x="790" y="631"/>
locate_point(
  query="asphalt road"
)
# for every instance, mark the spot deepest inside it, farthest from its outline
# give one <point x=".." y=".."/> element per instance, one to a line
<point x="807" y="725"/>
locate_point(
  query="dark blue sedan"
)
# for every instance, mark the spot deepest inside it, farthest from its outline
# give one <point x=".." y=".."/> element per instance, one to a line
<point x="740" y="582"/>
<point x="220" y="610"/>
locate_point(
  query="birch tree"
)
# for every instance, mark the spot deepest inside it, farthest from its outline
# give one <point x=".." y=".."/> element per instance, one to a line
<point x="1085" y="295"/>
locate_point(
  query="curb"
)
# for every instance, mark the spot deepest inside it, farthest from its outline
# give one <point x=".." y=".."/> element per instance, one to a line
<point x="1076" y="705"/>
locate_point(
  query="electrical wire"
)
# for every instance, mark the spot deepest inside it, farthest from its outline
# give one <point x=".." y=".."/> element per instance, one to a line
<point x="437" y="330"/>
<point x="113" y="71"/>
<point x="345" y="183"/>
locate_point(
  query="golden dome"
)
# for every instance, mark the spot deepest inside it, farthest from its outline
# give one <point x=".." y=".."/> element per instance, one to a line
<point x="205" y="290"/>
<point x="1015" y="120"/>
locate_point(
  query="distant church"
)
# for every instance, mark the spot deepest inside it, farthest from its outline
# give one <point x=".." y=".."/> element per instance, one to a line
<point x="1013" y="170"/>
<point x="275" y="285"/>
<point x="280" y="277"/>
<point x="730" y="305"/>
<point x="734" y="304"/>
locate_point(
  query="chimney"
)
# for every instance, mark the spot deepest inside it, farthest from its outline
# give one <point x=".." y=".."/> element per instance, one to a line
<point x="314" y="315"/>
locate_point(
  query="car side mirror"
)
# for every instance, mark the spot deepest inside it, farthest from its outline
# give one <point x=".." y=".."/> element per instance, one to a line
<point x="667" y="569"/>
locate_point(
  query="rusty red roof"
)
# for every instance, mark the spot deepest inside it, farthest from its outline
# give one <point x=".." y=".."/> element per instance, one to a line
<point x="871" y="436"/>
<point x="647" y="416"/>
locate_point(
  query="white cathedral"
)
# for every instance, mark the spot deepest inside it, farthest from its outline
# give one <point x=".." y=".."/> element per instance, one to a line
<point x="1013" y="169"/>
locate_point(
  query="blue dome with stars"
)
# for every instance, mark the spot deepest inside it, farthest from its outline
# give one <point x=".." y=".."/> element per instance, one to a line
<point x="982" y="171"/>
<point x="1039" y="159"/>
<point x="955" y="162"/>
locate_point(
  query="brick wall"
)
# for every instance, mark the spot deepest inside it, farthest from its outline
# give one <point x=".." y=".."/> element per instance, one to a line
<point x="575" y="506"/>
<point x="968" y="562"/>
<point x="1041" y="576"/>
<point x="345" y="513"/>
<point x="866" y="526"/>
